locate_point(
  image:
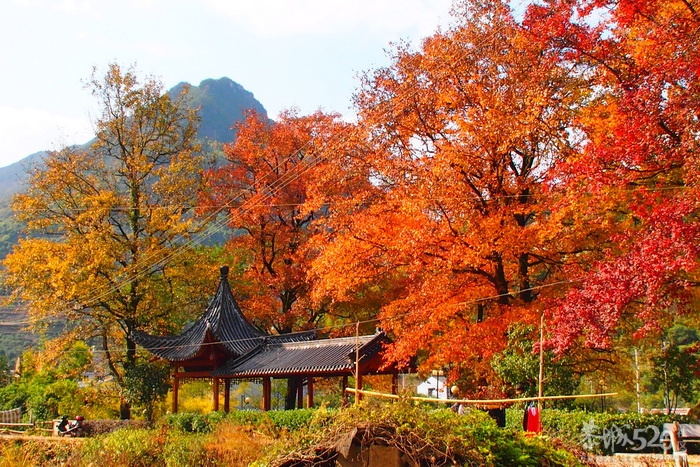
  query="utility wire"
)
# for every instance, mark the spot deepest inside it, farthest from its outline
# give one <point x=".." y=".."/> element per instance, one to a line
<point x="149" y="263"/>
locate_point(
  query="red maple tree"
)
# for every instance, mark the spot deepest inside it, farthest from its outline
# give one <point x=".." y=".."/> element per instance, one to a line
<point x="642" y="59"/>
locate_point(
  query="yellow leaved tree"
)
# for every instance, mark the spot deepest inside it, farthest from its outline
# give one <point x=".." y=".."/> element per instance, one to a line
<point x="110" y="241"/>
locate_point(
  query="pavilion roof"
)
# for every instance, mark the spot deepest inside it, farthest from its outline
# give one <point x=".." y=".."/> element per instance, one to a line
<point x="318" y="357"/>
<point x="222" y="323"/>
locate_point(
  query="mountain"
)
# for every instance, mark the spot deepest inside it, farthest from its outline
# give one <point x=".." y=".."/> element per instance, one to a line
<point x="221" y="103"/>
<point x="13" y="176"/>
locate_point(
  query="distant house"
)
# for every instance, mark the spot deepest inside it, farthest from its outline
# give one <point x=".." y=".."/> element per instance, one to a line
<point x="435" y="386"/>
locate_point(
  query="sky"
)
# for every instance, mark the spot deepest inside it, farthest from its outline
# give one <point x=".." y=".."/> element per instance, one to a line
<point x="306" y="54"/>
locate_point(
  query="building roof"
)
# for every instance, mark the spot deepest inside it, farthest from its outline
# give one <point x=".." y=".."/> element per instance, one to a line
<point x="320" y="357"/>
<point x="222" y="323"/>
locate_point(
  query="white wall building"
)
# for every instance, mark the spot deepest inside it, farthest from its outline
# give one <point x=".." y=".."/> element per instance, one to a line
<point x="434" y="386"/>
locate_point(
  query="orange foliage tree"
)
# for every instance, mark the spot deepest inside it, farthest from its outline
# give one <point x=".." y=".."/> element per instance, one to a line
<point x="457" y="141"/>
<point x="263" y="188"/>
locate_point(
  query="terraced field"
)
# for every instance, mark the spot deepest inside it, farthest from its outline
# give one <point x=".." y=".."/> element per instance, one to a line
<point x="14" y="338"/>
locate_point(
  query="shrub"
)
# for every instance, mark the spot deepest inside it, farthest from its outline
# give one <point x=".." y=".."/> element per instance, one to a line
<point x="423" y="434"/>
<point x="274" y="421"/>
<point x="188" y="422"/>
<point x="100" y="427"/>
<point x="232" y="445"/>
<point x="291" y="419"/>
<point x="186" y="449"/>
<point x="132" y="447"/>
<point x="426" y="436"/>
<point x="42" y="452"/>
<point x="248" y="417"/>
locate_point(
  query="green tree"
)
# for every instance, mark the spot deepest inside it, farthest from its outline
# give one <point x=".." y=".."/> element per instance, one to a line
<point x="76" y="359"/>
<point x="146" y="384"/>
<point x="49" y="389"/>
<point x="109" y="230"/>
<point x="518" y="363"/>
<point x="674" y="366"/>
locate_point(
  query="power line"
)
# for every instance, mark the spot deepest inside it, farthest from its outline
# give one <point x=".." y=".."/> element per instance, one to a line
<point x="149" y="262"/>
<point x="366" y="321"/>
<point x="218" y="208"/>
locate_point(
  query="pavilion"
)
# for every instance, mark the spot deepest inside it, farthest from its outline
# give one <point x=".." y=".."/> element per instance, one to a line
<point x="225" y="347"/>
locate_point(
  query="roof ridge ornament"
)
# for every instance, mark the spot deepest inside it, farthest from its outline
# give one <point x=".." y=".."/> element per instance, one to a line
<point x="224" y="272"/>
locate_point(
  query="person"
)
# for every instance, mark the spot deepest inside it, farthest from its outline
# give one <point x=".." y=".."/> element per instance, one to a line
<point x="498" y="414"/>
<point x="457" y="406"/>
<point x="531" y="419"/>
<point x="63" y="425"/>
<point x="66" y="428"/>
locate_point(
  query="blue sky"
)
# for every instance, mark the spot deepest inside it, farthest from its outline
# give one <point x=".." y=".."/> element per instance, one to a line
<point x="303" y="53"/>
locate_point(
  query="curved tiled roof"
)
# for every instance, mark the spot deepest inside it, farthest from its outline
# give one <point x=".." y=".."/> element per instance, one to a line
<point x="223" y="323"/>
<point x="324" y="356"/>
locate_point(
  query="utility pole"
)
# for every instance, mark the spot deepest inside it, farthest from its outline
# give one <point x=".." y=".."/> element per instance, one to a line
<point x="357" y="363"/>
<point x="667" y="392"/>
<point x="541" y="378"/>
<point x="636" y="371"/>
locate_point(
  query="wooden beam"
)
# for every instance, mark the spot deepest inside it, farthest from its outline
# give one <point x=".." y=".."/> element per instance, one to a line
<point x="300" y="392"/>
<point x="193" y="374"/>
<point x="394" y="383"/>
<point x="267" y="394"/>
<point x="358" y="384"/>
<point x="176" y="387"/>
<point x="215" y="394"/>
<point x="309" y="392"/>
<point x="358" y="381"/>
<point x="343" y="387"/>
<point x="227" y="395"/>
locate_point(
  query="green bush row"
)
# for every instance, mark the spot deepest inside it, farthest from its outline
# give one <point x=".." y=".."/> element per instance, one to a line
<point x="289" y="420"/>
<point x="147" y="448"/>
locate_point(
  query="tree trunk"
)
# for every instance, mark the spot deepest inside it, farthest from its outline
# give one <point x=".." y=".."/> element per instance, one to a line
<point x="526" y="293"/>
<point x="124" y="410"/>
<point x="290" y="397"/>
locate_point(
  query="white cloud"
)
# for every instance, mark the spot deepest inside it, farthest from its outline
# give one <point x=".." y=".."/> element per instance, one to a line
<point x="72" y="7"/>
<point x="27" y="3"/>
<point x="26" y="131"/>
<point x="282" y="18"/>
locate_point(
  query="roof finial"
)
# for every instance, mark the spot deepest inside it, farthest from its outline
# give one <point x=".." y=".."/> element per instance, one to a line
<point x="224" y="272"/>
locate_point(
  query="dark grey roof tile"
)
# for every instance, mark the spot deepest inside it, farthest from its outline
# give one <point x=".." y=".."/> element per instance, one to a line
<point x="225" y="323"/>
